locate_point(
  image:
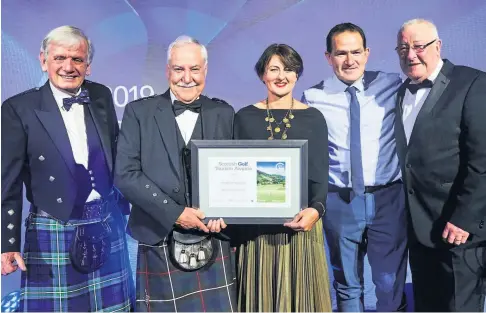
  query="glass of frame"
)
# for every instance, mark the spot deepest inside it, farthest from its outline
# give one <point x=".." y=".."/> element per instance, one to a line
<point x="249" y="181"/>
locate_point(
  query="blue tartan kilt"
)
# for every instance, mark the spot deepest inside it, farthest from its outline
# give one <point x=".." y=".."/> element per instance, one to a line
<point x="52" y="284"/>
<point x="163" y="287"/>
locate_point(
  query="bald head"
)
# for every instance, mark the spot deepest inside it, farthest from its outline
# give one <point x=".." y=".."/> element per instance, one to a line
<point x="418" y="48"/>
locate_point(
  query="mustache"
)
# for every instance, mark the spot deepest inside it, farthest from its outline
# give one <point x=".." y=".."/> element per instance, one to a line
<point x="183" y="85"/>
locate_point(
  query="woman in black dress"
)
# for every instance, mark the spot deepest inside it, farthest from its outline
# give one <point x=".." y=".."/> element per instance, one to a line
<point x="284" y="268"/>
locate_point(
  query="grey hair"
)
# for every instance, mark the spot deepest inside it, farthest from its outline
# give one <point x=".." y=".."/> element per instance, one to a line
<point x="184" y="40"/>
<point x="67" y="35"/>
<point x="420" y="21"/>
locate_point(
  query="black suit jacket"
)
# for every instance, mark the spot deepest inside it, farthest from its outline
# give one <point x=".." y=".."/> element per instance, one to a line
<point x="148" y="170"/>
<point x="444" y="164"/>
<point x="36" y="152"/>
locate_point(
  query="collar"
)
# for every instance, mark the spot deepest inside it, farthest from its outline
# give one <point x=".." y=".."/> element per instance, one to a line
<point x="59" y="95"/>
<point x="336" y="84"/>
<point x="172" y="96"/>
<point x="434" y="74"/>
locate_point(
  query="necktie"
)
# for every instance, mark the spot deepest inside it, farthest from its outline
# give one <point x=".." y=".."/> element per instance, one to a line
<point x="82" y="98"/>
<point x="180" y="107"/>
<point x="415" y="87"/>
<point x="355" y="143"/>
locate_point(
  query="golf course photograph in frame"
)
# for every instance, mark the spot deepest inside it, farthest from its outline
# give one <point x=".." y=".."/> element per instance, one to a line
<point x="271" y="182"/>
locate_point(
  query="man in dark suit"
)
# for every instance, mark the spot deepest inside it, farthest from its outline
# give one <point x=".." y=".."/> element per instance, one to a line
<point x="441" y="143"/>
<point x="59" y="140"/>
<point x="182" y="263"/>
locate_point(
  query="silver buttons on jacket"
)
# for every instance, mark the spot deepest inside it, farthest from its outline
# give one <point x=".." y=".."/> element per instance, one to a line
<point x="165" y="201"/>
<point x="154" y="194"/>
<point x="10" y="212"/>
<point x="51" y="178"/>
<point x="59" y="200"/>
<point x="10" y="226"/>
<point x="41" y="158"/>
<point x="147" y="186"/>
<point x="12" y="241"/>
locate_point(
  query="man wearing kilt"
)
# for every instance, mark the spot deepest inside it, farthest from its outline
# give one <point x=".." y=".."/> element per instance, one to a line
<point x="59" y="140"/>
<point x="183" y="264"/>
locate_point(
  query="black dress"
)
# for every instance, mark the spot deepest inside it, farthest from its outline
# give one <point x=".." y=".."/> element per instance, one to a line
<point x="280" y="269"/>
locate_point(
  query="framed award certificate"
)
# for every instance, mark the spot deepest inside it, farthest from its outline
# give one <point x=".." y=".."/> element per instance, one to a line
<point x="249" y="181"/>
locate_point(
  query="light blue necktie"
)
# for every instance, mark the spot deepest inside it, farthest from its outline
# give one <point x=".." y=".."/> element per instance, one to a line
<point x="355" y="143"/>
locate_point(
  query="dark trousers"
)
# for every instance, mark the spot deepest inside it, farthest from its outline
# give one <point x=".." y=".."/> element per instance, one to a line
<point x="448" y="280"/>
<point x="374" y="224"/>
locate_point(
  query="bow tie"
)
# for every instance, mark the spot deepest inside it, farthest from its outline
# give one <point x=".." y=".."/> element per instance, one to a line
<point x="180" y="107"/>
<point x="82" y="98"/>
<point x="415" y="87"/>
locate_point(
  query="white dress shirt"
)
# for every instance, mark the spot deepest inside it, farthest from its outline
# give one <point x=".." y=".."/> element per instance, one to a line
<point x="76" y="130"/>
<point x="377" y="99"/>
<point x="186" y="121"/>
<point x="412" y="103"/>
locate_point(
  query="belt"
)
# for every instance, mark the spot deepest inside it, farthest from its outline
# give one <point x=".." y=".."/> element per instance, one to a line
<point x="91" y="210"/>
<point x="345" y="192"/>
<point x="368" y="189"/>
<point x="372" y="189"/>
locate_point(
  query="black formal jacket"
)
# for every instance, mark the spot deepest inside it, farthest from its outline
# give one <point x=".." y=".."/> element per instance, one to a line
<point x="36" y="152"/>
<point x="444" y="164"/>
<point x="148" y="164"/>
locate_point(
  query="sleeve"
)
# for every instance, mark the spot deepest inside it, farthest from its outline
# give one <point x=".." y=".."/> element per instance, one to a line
<point x="14" y="146"/>
<point x="318" y="165"/>
<point x="131" y="180"/>
<point x="232" y="122"/>
<point x="471" y="197"/>
<point x="238" y="126"/>
<point x="229" y="126"/>
<point x="121" y="202"/>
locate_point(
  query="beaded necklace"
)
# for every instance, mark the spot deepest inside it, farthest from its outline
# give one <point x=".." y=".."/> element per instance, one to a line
<point x="277" y="129"/>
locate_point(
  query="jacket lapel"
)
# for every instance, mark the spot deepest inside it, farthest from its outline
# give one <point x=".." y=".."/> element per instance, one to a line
<point x="167" y="125"/>
<point x="98" y="109"/>
<point x="436" y="92"/>
<point x="401" y="139"/>
<point x="51" y="119"/>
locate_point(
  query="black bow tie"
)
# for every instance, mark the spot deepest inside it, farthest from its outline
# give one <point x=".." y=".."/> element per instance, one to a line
<point x="415" y="87"/>
<point x="179" y="107"/>
<point x="82" y="98"/>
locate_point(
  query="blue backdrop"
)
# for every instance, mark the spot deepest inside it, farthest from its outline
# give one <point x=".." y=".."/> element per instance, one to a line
<point x="131" y="38"/>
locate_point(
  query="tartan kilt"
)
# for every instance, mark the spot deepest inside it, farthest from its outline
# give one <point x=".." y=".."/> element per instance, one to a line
<point x="163" y="287"/>
<point x="52" y="284"/>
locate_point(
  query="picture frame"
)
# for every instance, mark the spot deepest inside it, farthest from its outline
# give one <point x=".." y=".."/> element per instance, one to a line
<point x="250" y="181"/>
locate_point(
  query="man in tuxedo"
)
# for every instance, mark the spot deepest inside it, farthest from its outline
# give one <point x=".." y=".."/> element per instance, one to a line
<point x="183" y="265"/>
<point x="441" y="142"/>
<point x="59" y="140"/>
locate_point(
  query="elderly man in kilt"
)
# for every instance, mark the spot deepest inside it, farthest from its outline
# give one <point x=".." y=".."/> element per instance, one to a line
<point x="59" y="140"/>
<point x="183" y="264"/>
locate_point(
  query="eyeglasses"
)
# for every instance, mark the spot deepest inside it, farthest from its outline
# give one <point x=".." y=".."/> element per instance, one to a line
<point x="403" y="49"/>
